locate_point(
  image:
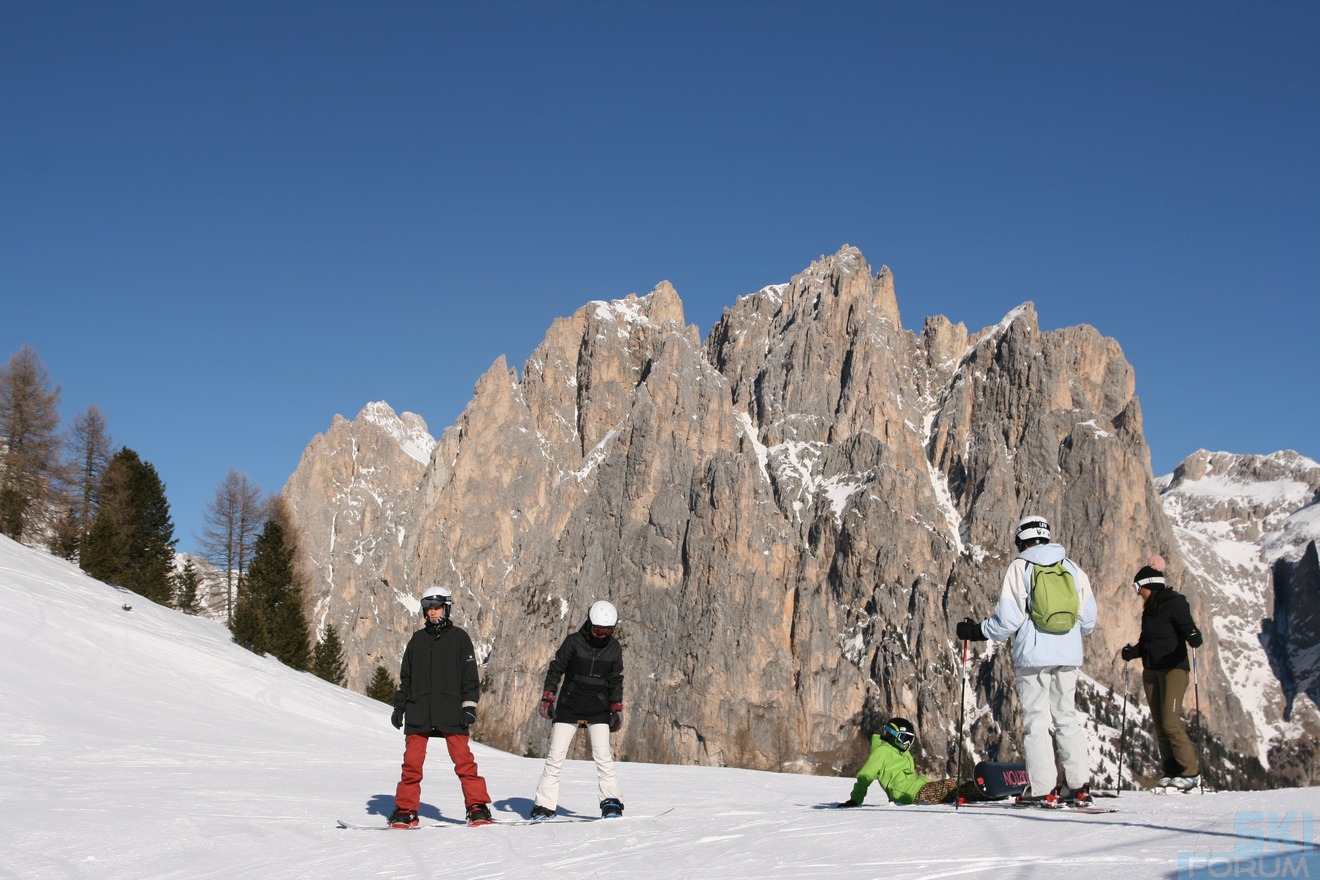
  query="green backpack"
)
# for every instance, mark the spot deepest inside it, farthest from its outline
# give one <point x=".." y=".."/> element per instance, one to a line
<point x="1054" y="602"/>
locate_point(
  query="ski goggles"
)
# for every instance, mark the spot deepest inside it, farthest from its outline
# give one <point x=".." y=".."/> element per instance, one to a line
<point x="435" y="602"/>
<point x="902" y="738"/>
<point x="1149" y="583"/>
<point x="602" y="632"/>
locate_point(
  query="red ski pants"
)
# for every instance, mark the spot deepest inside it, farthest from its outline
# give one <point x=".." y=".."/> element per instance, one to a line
<point x="409" y="793"/>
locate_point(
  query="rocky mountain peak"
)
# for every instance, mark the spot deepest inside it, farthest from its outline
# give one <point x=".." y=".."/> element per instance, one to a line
<point x="790" y="515"/>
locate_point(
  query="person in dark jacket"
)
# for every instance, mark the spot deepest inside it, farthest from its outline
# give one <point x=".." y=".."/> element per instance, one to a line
<point x="437" y="697"/>
<point x="1167" y="629"/>
<point x="590" y="663"/>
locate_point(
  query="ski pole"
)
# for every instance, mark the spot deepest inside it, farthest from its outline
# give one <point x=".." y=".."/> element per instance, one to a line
<point x="962" y="722"/>
<point x="1122" y="734"/>
<point x="1200" y="719"/>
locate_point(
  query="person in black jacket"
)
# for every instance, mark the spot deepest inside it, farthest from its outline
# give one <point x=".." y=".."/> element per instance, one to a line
<point x="590" y="662"/>
<point x="1167" y="629"/>
<point x="437" y="697"/>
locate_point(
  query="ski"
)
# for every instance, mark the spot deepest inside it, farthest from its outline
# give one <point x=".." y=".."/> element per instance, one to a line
<point x="1061" y="808"/>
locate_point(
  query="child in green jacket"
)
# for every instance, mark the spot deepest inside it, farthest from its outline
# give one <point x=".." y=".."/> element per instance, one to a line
<point x="891" y="765"/>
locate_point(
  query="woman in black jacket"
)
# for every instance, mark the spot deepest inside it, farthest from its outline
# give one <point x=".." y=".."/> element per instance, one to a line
<point x="1167" y="629"/>
<point x="590" y="663"/>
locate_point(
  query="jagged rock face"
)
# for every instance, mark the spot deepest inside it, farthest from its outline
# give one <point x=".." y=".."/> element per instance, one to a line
<point x="1295" y="629"/>
<point x="352" y="499"/>
<point x="790" y="516"/>
<point x="1247" y="526"/>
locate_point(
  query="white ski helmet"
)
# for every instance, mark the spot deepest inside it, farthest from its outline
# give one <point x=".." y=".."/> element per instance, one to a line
<point x="438" y="597"/>
<point x="1031" y="529"/>
<point x="602" y="614"/>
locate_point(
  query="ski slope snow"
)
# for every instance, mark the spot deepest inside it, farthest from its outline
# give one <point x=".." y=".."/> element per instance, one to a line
<point x="137" y="742"/>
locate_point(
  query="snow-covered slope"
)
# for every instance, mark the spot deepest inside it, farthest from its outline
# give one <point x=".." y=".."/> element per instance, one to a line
<point x="1235" y="517"/>
<point x="143" y="743"/>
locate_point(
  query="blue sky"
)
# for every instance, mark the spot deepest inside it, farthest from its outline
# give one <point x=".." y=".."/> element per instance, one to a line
<point x="224" y="223"/>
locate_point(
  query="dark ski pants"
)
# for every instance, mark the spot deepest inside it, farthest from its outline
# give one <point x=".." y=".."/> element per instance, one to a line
<point x="409" y="793"/>
<point x="1165" y="689"/>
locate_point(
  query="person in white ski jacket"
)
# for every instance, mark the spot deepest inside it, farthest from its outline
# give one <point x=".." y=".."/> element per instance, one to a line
<point x="1032" y="647"/>
<point x="1047" y="665"/>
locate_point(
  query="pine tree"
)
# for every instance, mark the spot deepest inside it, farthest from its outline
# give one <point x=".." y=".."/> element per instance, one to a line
<point x="186" y="584"/>
<point x="382" y="686"/>
<point x="328" y="658"/>
<point x="131" y="542"/>
<point x="105" y="556"/>
<point x="66" y="539"/>
<point x="268" y="617"/>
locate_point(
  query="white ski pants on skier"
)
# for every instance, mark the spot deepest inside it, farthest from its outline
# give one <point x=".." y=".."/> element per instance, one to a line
<point x="1049" y="715"/>
<point x="607" y="786"/>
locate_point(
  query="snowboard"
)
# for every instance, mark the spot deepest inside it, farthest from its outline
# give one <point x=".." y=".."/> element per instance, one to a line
<point x="1001" y="779"/>
<point x="458" y="823"/>
<point x="572" y="817"/>
<point x="358" y="826"/>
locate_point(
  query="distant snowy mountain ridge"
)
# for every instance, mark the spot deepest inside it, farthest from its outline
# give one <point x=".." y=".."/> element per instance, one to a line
<point x="1247" y="528"/>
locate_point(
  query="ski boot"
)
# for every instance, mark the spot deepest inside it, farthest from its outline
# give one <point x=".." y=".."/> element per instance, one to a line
<point x="1049" y="801"/>
<point x="1184" y="784"/>
<point x="478" y="814"/>
<point x="1080" y="797"/>
<point x="540" y="813"/>
<point x="611" y="808"/>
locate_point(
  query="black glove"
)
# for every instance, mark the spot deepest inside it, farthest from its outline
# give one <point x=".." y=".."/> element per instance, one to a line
<point x="850" y="803"/>
<point x="970" y="631"/>
<point x="397" y="718"/>
<point x="1131" y="652"/>
<point x="469" y="716"/>
<point x="616" y="717"/>
<point x="1195" y="638"/>
<point x="547" y="709"/>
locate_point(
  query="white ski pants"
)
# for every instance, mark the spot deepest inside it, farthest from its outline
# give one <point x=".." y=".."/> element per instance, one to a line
<point x="607" y="786"/>
<point x="1049" y="715"/>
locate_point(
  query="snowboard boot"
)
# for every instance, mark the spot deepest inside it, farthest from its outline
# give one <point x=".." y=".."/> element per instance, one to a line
<point x="540" y="813"/>
<point x="478" y="814"/>
<point x="403" y="819"/>
<point x="611" y="808"/>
